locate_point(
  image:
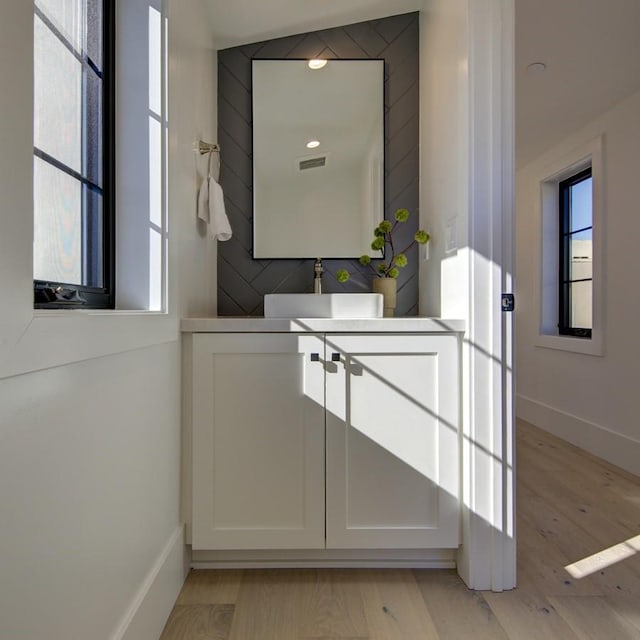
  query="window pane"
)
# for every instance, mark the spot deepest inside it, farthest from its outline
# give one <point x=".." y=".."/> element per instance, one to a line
<point x="57" y="98"/>
<point x="57" y="244"/>
<point x="67" y="17"/>
<point x="581" y="304"/>
<point x="93" y="225"/>
<point x="581" y="206"/>
<point x="155" y="172"/>
<point x="155" y="270"/>
<point x="155" y="60"/>
<point x="94" y="32"/>
<point x="93" y="127"/>
<point x="581" y="255"/>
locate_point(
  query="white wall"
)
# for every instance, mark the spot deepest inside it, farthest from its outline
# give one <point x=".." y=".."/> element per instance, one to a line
<point x="444" y="156"/>
<point x="88" y="490"/>
<point x="193" y="109"/>
<point x="589" y="400"/>
<point x="90" y="535"/>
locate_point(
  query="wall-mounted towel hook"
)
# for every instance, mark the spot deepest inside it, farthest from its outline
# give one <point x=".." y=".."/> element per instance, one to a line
<point x="203" y="147"/>
<point x="209" y="148"/>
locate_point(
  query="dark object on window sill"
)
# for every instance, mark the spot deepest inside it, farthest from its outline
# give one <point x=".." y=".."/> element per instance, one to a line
<point x="573" y="331"/>
<point x="54" y="296"/>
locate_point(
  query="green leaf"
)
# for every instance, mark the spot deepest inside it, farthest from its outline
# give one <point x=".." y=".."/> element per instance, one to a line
<point x="382" y="267"/>
<point x="401" y="260"/>
<point x="402" y="215"/>
<point x="342" y="275"/>
<point x="365" y="259"/>
<point x="378" y="243"/>
<point x="422" y="237"/>
<point x="385" y="226"/>
<point x="393" y="273"/>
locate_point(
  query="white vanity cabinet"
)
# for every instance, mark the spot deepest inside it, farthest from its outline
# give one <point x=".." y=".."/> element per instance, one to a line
<point x="392" y="442"/>
<point x="258" y="441"/>
<point x="320" y="440"/>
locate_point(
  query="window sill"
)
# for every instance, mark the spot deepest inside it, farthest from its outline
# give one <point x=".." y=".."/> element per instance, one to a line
<point x="586" y="346"/>
<point x="55" y="313"/>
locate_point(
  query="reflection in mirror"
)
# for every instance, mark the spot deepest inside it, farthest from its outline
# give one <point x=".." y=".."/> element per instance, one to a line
<point x="318" y="157"/>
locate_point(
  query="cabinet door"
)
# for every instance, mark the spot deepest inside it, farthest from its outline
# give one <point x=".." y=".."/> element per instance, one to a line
<point x="258" y="441"/>
<point x="393" y="446"/>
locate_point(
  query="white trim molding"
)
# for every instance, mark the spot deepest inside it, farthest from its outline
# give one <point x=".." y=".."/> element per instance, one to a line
<point x="487" y="558"/>
<point x="148" y="612"/>
<point x="467" y="182"/>
<point x="326" y="558"/>
<point x="611" y="446"/>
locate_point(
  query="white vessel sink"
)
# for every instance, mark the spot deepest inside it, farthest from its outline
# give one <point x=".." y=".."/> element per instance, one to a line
<point x="323" y="305"/>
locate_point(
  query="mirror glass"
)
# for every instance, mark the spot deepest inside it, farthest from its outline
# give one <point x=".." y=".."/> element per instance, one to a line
<point x="326" y="200"/>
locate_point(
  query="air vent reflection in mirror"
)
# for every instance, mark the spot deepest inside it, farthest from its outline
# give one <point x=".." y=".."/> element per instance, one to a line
<point x="312" y="163"/>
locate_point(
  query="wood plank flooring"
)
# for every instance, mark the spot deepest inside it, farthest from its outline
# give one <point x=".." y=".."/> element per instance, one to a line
<point x="570" y="506"/>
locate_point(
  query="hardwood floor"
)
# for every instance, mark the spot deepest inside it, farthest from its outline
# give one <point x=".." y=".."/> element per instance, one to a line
<point x="570" y="506"/>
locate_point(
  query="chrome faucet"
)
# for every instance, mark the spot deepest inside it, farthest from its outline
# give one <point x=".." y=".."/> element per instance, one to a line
<point x="317" y="276"/>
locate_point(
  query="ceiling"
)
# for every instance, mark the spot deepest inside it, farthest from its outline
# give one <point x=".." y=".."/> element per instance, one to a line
<point x="592" y="52"/>
<point x="244" y="21"/>
<point x="591" y="49"/>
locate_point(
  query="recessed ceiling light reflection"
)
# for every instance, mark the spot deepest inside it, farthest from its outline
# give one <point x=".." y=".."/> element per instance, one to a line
<point x="312" y="144"/>
<point x="536" y="68"/>
<point x="317" y="63"/>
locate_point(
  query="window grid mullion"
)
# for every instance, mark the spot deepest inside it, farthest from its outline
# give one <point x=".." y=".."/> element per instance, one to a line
<point x="577" y="280"/>
<point x="45" y="157"/>
<point x="572" y="233"/>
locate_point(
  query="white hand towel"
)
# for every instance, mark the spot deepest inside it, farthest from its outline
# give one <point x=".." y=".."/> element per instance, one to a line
<point x="211" y="209"/>
<point x="203" y="201"/>
<point x="219" y="227"/>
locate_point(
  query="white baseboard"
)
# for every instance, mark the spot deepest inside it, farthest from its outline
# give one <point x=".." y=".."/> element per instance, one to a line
<point x="325" y="558"/>
<point x="334" y="564"/>
<point x="153" y="602"/>
<point x="620" y="450"/>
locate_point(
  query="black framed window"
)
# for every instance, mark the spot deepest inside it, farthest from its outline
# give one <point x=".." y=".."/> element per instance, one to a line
<point x="576" y="255"/>
<point x="73" y="154"/>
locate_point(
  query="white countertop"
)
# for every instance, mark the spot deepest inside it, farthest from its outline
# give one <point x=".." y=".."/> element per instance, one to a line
<point x="321" y="325"/>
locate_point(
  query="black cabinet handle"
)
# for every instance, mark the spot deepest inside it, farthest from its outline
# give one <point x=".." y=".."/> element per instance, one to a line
<point x="315" y="357"/>
<point x="335" y="357"/>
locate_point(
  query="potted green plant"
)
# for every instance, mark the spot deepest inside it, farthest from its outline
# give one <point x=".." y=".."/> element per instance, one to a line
<point x="388" y="269"/>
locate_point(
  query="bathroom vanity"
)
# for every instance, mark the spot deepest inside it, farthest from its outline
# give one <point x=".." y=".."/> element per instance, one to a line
<point x="317" y="440"/>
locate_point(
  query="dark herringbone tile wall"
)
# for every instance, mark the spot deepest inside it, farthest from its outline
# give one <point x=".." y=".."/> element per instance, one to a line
<point x="243" y="281"/>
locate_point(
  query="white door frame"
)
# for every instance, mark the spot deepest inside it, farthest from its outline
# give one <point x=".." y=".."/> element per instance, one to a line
<point x="487" y="558"/>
